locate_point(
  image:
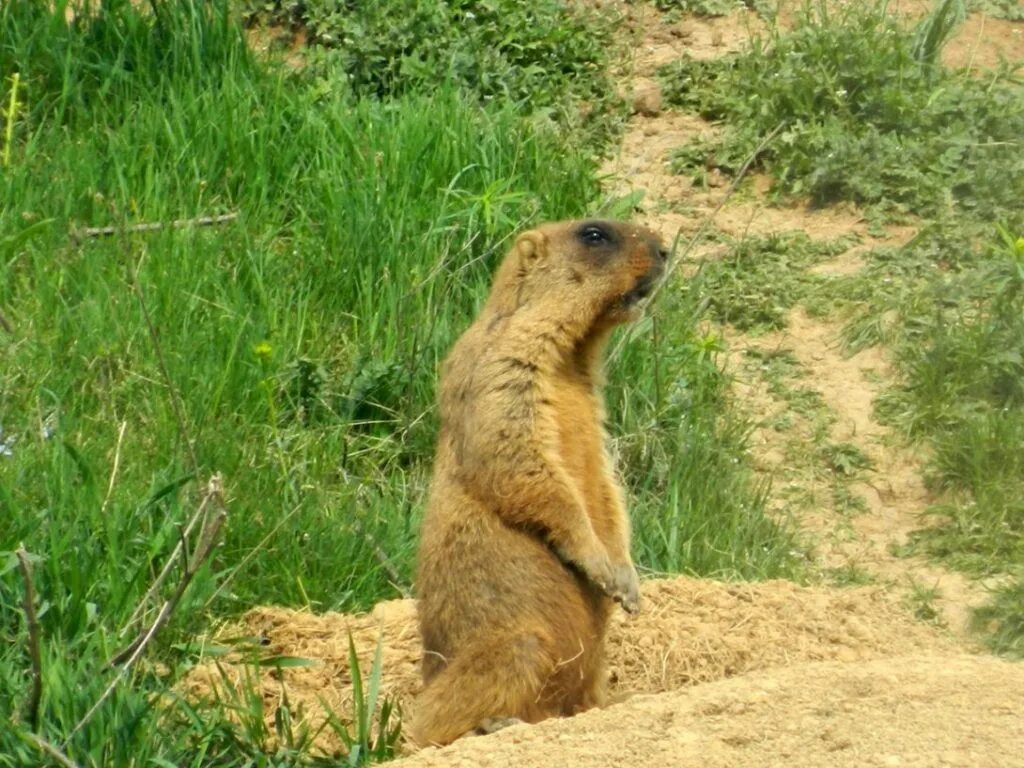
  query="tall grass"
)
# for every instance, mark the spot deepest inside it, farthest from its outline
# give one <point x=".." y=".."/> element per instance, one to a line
<point x="696" y="505"/>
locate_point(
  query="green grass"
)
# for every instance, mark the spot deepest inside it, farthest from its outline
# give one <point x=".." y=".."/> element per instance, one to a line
<point x="865" y="113"/>
<point x="547" y="56"/>
<point x="962" y="359"/>
<point x="759" y="279"/>
<point x="696" y="505"/>
<point x="293" y="350"/>
<point x="1010" y="10"/>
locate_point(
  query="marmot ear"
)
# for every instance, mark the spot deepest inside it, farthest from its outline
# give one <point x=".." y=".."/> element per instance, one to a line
<point x="531" y="248"/>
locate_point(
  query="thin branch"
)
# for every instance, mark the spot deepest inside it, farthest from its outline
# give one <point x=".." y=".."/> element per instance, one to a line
<point x="207" y="539"/>
<point x="5" y="324"/>
<point x="35" y="657"/>
<point x="53" y="751"/>
<point x="674" y="264"/>
<point x="113" y="470"/>
<point x="201" y="221"/>
<point x="121" y="673"/>
<point x="158" y="582"/>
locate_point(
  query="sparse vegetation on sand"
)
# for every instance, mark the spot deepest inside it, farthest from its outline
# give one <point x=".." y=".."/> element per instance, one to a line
<point x="864" y="111"/>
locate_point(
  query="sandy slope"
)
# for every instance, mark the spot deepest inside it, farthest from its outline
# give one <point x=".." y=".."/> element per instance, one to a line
<point x="902" y="711"/>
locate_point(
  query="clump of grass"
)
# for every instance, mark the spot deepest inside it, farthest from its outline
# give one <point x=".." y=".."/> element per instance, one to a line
<point x="921" y="600"/>
<point x="695" y="503"/>
<point x="760" y="278"/>
<point x="867" y="114"/>
<point x="1002" y="620"/>
<point x="961" y="357"/>
<point x="542" y="55"/>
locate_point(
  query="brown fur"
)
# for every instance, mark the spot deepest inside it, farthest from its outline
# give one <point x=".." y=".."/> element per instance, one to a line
<point x="525" y="541"/>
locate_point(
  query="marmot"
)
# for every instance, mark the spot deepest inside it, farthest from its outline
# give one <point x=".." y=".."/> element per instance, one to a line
<point x="525" y="540"/>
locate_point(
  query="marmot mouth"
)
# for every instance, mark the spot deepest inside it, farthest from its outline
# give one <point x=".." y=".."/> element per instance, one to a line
<point x="640" y="291"/>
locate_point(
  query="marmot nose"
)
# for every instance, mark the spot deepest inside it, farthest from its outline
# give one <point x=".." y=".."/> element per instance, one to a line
<point x="663" y="253"/>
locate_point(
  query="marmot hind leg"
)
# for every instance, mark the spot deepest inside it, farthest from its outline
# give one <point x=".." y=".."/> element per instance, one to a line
<point x="491" y="682"/>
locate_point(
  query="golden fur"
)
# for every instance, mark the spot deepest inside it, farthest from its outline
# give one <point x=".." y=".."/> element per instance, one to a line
<point x="525" y="541"/>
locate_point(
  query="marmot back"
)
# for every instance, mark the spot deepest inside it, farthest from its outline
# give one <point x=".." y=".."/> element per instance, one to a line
<point x="525" y="540"/>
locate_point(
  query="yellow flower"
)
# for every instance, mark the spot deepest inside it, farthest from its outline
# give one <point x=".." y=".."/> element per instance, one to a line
<point x="263" y="350"/>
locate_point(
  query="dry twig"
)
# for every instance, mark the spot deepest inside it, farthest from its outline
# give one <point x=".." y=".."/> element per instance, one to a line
<point x="208" y="532"/>
<point x="211" y="525"/>
<point x="201" y="221"/>
<point x="53" y="751"/>
<point x="113" y="470"/>
<point x="35" y="657"/>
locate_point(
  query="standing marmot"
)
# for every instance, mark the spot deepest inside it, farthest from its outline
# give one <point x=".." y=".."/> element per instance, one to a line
<point x="525" y="540"/>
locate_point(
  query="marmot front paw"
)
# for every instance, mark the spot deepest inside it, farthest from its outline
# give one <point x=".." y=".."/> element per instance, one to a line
<point x="617" y="580"/>
<point x="625" y="587"/>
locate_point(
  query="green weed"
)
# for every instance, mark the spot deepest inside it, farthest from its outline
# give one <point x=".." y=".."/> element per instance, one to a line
<point x="375" y="731"/>
<point x="758" y="280"/>
<point x="845" y="458"/>
<point x="1002" y="620"/>
<point x="866" y="111"/>
<point x="541" y="55"/>
<point x="921" y="600"/>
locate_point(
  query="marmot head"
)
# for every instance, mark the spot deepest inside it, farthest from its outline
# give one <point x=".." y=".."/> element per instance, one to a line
<point x="593" y="271"/>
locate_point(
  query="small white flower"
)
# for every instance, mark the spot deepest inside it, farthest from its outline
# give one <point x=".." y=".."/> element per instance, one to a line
<point x="7" y="443"/>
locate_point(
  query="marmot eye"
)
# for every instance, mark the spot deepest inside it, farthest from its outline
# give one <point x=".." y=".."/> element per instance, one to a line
<point x="593" y="235"/>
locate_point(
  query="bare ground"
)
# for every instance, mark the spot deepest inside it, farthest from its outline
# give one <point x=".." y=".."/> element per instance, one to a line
<point x="916" y="710"/>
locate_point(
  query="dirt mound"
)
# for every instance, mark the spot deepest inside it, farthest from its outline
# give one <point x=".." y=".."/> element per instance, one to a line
<point x="689" y="631"/>
<point x="902" y="711"/>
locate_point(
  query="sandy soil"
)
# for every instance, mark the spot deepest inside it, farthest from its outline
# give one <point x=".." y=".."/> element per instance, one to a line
<point x="904" y="711"/>
<point x="689" y="633"/>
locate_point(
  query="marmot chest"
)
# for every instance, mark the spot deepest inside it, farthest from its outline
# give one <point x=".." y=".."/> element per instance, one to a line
<point x="577" y="410"/>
